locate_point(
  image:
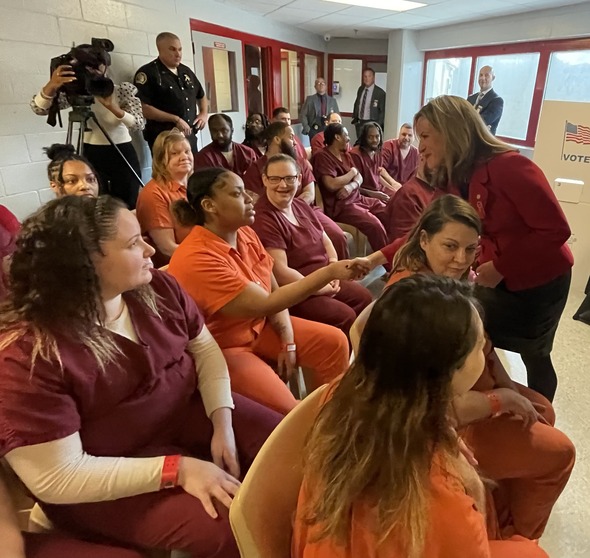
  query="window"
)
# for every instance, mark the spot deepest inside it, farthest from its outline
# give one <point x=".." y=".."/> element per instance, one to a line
<point x="526" y="73"/>
<point x="447" y="76"/>
<point x="516" y="75"/>
<point x="290" y="81"/>
<point x="569" y="76"/>
<point x="220" y="79"/>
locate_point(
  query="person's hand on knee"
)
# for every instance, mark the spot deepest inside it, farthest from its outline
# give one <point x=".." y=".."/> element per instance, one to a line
<point x="206" y="481"/>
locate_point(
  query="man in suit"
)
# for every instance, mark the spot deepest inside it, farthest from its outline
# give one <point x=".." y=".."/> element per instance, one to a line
<point x="316" y="109"/>
<point x="487" y="102"/>
<point x="369" y="105"/>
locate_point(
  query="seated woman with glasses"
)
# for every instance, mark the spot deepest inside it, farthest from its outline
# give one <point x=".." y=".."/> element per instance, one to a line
<point x="294" y="237"/>
<point x="385" y="475"/>
<point x="509" y="427"/>
<point x="223" y="265"/>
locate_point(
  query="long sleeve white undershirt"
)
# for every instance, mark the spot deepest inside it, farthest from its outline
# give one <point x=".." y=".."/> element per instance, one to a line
<point x="61" y="472"/>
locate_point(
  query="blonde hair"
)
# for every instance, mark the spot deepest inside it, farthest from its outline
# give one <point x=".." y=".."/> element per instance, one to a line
<point x="443" y="210"/>
<point x="161" y="154"/>
<point x="374" y="441"/>
<point x="467" y="140"/>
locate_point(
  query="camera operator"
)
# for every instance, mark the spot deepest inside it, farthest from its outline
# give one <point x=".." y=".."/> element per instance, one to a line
<point x="119" y="113"/>
<point x="170" y="92"/>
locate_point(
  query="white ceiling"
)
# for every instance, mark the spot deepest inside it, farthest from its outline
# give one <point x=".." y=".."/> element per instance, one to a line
<point x="340" y="20"/>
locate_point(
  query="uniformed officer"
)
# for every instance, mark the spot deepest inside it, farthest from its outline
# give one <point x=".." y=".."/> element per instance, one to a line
<point x="170" y="92"/>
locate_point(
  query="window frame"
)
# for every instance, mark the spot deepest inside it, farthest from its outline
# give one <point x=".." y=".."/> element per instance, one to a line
<point x="272" y="91"/>
<point x="544" y="48"/>
<point x="367" y="60"/>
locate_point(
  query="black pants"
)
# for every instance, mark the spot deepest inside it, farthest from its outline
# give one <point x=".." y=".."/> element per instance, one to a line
<point x="525" y="322"/>
<point x="116" y="179"/>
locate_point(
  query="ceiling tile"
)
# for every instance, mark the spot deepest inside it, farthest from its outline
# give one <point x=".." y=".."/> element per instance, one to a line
<point x="400" y="21"/>
<point x="319" y="16"/>
<point x="293" y="16"/>
<point x="316" y="6"/>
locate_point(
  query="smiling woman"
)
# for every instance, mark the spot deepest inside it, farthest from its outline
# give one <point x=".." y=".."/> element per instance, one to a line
<point x="295" y="238"/>
<point x="171" y="167"/>
<point x="223" y="265"/>
<point x="522" y="222"/>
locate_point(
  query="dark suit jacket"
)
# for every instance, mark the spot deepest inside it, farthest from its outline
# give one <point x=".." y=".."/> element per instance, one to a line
<point x="311" y="116"/>
<point x="377" y="104"/>
<point x="491" y="109"/>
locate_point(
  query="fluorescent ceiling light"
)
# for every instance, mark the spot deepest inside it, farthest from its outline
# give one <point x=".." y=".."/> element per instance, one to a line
<point x="393" y="5"/>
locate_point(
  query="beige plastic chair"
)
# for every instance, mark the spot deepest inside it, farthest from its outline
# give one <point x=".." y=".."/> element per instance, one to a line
<point x="360" y="243"/>
<point x="262" y="511"/>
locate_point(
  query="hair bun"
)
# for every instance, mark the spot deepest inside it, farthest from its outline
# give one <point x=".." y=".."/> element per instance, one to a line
<point x="59" y="151"/>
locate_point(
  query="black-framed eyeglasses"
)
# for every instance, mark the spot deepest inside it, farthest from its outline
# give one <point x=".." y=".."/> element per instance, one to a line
<point x="289" y="180"/>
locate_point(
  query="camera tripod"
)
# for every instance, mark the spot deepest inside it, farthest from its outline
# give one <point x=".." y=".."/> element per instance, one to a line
<point x="80" y="114"/>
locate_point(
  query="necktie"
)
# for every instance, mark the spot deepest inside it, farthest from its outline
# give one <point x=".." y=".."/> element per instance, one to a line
<point x="479" y="98"/>
<point x="323" y="105"/>
<point x="363" y="103"/>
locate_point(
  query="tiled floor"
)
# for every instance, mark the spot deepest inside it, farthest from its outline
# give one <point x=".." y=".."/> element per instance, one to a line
<point x="568" y="532"/>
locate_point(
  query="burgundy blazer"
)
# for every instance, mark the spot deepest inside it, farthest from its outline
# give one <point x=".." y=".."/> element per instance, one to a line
<point x="524" y="228"/>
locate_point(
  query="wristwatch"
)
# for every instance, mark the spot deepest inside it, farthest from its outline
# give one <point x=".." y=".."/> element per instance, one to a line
<point x="289" y="347"/>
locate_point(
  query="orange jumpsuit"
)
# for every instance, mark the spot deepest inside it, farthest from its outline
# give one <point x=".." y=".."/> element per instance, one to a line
<point x="153" y="212"/>
<point x="214" y="273"/>
<point x="531" y="466"/>
<point x="456" y="528"/>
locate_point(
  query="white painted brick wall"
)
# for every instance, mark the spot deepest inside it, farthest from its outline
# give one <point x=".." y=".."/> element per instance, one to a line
<point x="34" y="31"/>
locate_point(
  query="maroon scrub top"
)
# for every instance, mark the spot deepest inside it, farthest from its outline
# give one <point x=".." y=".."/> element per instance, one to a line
<point x="399" y="168"/>
<point x="9" y="228"/>
<point x="326" y="164"/>
<point x="212" y="156"/>
<point x="368" y="167"/>
<point x="137" y="406"/>
<point x="302" y="243"/>
<point x="253" y="176"/>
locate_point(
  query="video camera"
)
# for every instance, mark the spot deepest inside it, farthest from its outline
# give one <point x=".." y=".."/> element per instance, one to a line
<point x="86" y="61"/>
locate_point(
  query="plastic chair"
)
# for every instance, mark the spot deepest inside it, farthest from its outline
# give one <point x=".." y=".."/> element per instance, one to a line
<point x="297" y="384"/>
<point x="262" y="511"/>
<point x="360" y="243"/>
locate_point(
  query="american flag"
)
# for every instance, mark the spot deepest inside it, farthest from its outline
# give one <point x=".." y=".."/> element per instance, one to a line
<point x="577" y="133"/>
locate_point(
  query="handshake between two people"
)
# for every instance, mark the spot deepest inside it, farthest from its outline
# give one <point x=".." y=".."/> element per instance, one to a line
<point x="350" y="270"/>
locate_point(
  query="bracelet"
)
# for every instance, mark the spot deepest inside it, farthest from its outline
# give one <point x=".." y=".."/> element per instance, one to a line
<point x="46" y="97"/>
<point x="169" y="477"/>
<point x="289" y="348"/>
<point x="495" y="403"/>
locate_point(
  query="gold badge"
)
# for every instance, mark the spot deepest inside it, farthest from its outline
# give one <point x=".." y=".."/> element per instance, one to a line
<point x="140" y="78"/>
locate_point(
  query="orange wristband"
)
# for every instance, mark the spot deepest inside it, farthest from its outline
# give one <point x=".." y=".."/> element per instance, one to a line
<point x="495" y="403"/>
<point x="169" y="477"/>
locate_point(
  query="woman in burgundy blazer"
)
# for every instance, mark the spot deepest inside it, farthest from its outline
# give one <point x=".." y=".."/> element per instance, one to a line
<point x="524" y="268"/>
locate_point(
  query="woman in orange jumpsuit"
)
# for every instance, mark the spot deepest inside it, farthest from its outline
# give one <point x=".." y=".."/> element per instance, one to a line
<point x="508" y="426"/>
<point x="385" y="476"/>
<point x="223" y="265"/>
